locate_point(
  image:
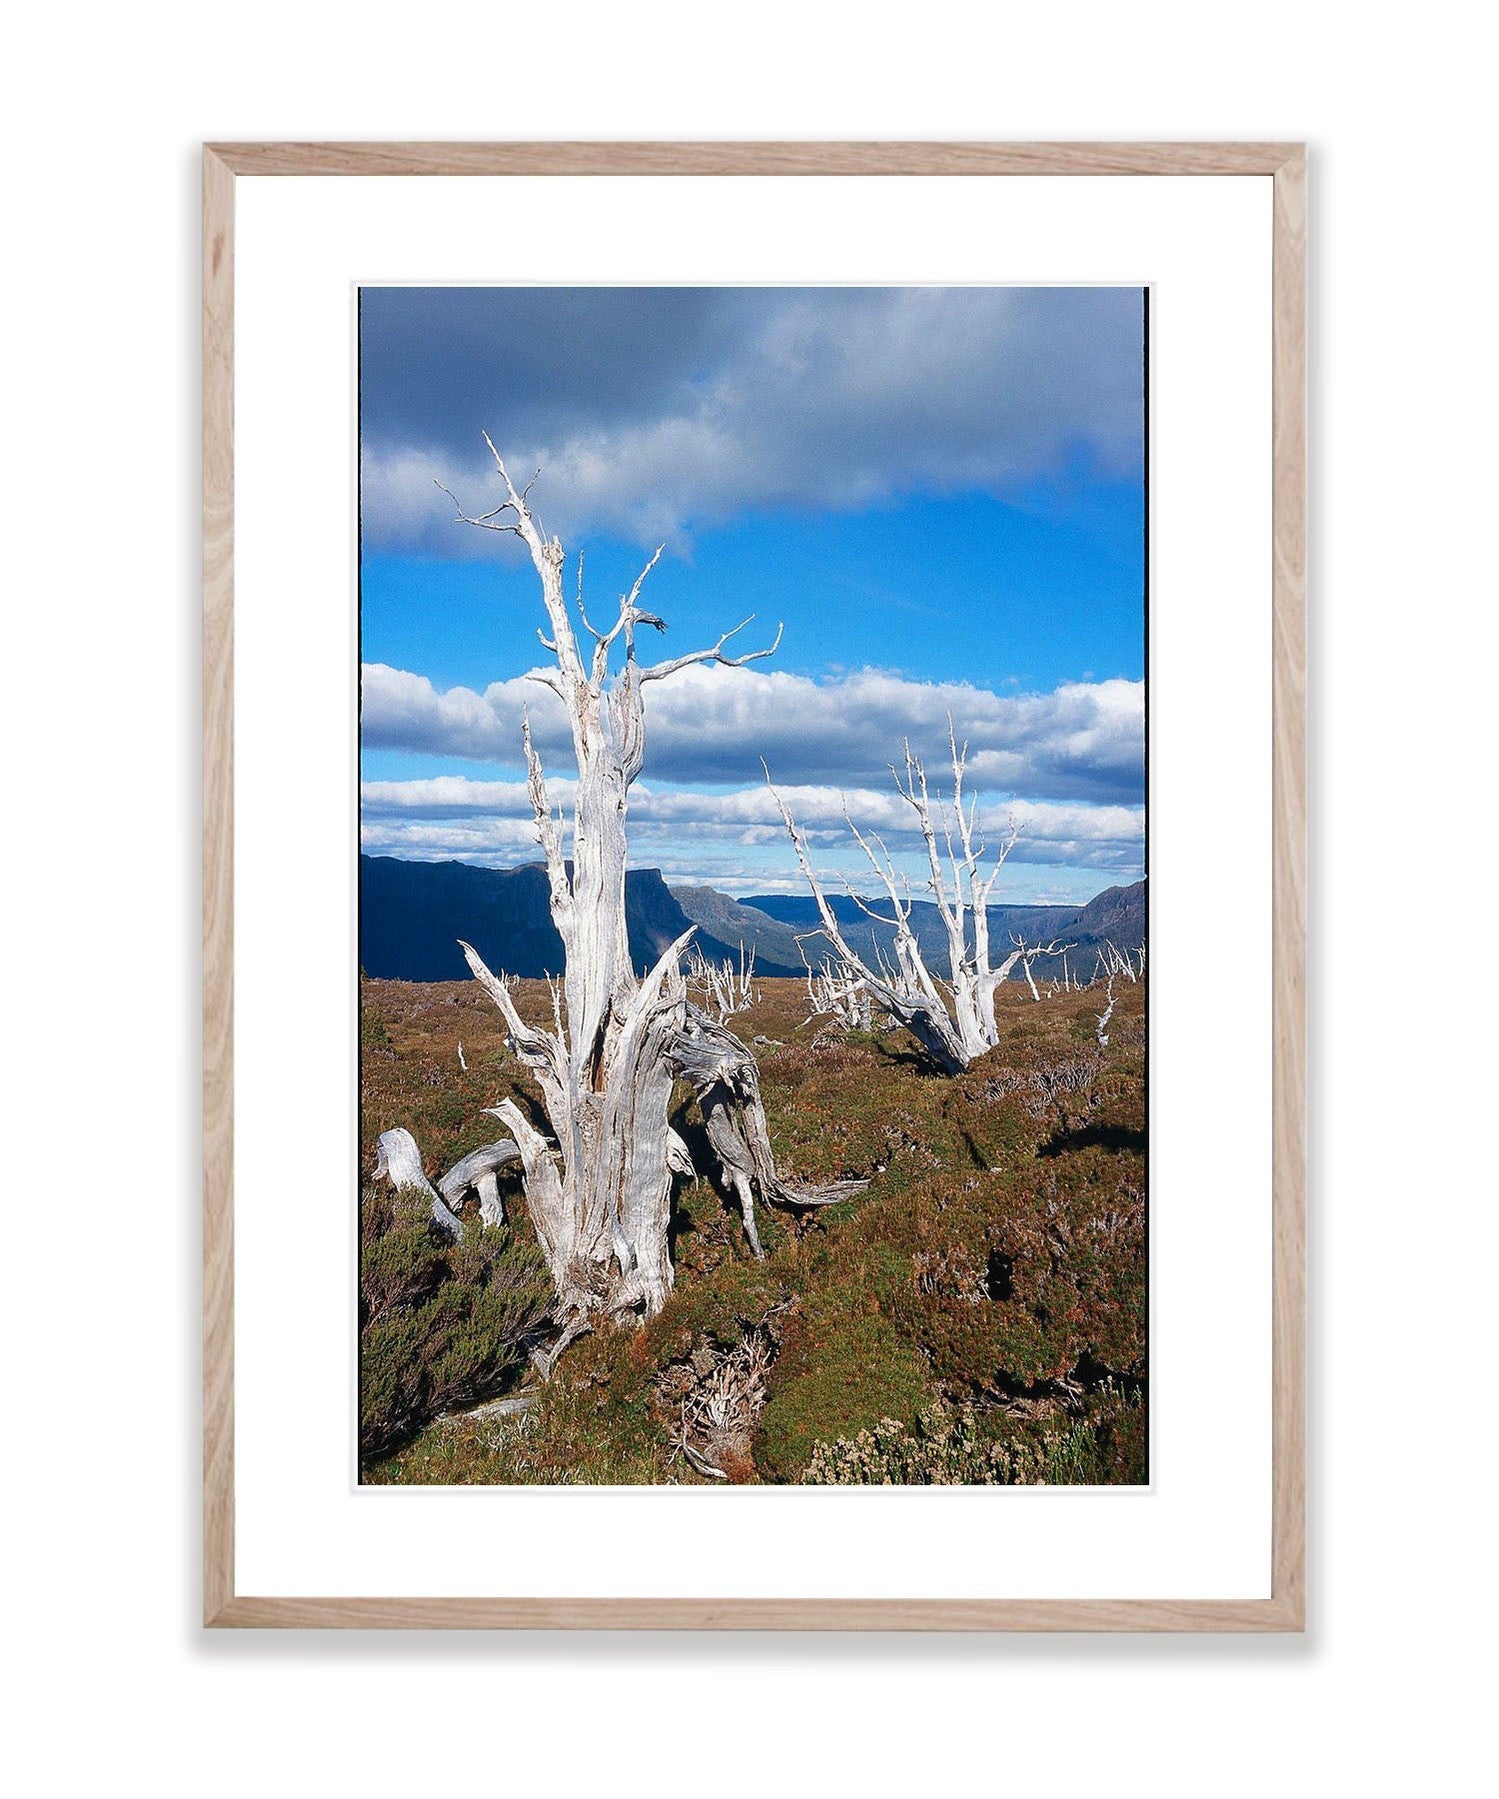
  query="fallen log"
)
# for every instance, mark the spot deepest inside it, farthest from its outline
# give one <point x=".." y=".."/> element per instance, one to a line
<point x="478" y="1173"/>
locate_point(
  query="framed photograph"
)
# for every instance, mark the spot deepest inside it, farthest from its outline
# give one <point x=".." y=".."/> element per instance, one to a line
<point x="754" y="810"/>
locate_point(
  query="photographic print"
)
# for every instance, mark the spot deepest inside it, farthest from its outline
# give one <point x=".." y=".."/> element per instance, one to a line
<point x="752" y="886"/>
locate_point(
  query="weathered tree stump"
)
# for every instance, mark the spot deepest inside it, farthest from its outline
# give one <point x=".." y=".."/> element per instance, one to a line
<point x="400" y="1161"/>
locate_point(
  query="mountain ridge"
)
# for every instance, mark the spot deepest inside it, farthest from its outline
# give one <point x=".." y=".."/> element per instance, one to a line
<point x="411" y="915"/>
<point x="1116" y="915"/>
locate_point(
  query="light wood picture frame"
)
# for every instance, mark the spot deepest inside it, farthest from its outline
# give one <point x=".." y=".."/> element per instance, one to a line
<point x="1285" y="165"/>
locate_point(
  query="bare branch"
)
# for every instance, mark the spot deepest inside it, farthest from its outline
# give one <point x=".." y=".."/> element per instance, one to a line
<point x="804" y="857"/>
<point x="660" y="670"/>
<point x="625" y="621"/>
<point x="485" y="520"/>
<point x="535" y="1048"/>
<point x="1026" y="954"/>
<point x="727" y="990"/>
<point x="548" y="678"/>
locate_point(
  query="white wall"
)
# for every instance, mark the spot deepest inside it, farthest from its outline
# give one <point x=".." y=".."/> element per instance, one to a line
<point x="105" y="111"/>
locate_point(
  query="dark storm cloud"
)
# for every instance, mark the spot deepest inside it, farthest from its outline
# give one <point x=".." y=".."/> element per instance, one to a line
<point x="656" y="410"/>
<point x="439" y="364"/>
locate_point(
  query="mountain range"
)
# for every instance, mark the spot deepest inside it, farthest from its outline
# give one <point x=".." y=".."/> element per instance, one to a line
<point x="1117" y="915"/>
<point x="411" y="915"/>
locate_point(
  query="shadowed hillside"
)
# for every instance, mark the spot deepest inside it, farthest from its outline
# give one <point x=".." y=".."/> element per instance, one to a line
<point x="412" y="914"/>
<point x="731" y="921"/>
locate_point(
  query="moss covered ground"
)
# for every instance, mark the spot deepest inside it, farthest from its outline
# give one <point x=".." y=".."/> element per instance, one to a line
<point x="978" y="1313"/>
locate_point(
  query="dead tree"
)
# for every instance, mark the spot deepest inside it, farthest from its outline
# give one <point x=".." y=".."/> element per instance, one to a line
<point x="838" y="992"/>
<point x="1028" y="954"/>
<point x="1117" y="961"/>
<point x="398" y="1160"/>
<point x="598" y="1184"/>
<point x="726" y="1080"/>
<point x="961" y="1026"/>
<point x="479" y="1174"/>
<point x="1106" y="1014"/>
<point x="726" y="990"/>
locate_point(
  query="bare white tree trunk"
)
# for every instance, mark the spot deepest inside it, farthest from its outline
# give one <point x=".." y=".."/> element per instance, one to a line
<point x="1104" y="1016"/>
<point x="1028" y="954"/>
<point x="599" y="1188"/>
<point x="600" y="1201"/>
<point x="1117" y="962"/>
<point x="725" y="989"/>
<point x="956" y="1029"/>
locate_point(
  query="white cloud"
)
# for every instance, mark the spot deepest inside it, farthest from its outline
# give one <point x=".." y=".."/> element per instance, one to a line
<point x="1082" y="742"/>
<point x="454" y="796"/>
<point x="719" y="837"/>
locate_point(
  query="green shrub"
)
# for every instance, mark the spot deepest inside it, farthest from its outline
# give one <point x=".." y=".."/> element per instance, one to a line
<point x="839" y="1372"/>
<point x="1008" y="1280"/>
<point x="440" y="1324"/>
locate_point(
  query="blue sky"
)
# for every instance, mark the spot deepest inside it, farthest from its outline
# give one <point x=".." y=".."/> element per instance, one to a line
<point x="938" y="492"/>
